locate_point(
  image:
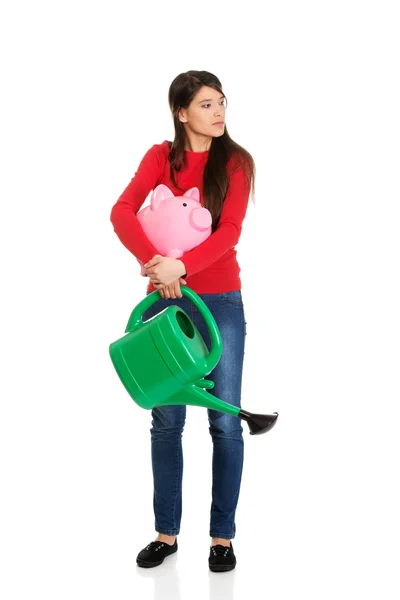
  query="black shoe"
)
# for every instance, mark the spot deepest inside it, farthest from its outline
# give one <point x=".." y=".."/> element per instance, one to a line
<point x="221" y="558"/>
<point x="154" y="554"/>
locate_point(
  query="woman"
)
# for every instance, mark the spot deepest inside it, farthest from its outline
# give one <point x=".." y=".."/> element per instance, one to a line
<point x="202" y="155"/>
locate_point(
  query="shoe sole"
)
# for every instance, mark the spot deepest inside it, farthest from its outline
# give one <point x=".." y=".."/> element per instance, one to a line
<point x="147" y="565"/>
<point x="220" y="568"/>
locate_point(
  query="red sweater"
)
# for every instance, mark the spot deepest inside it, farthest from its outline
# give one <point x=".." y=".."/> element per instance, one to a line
<point x="212" y="266"/>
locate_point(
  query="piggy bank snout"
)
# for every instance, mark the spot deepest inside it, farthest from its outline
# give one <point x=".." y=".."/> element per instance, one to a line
<point x="200" y="219"/>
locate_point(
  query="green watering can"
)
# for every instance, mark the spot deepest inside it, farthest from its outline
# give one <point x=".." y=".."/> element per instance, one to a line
<point x="163" y="361"/>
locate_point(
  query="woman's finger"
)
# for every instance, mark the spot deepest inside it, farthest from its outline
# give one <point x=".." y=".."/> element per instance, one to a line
<point x="176" y="289"/>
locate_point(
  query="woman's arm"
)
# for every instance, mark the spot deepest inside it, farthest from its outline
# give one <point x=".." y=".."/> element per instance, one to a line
<point x="123" y="213"/>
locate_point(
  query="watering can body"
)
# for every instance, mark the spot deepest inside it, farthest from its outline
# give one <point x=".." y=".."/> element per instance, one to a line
<point x="163" y="361"/>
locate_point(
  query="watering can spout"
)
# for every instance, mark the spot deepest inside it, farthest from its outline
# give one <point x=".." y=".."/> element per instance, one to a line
<point x="194" y="394"/>
<point x="258" y="423"/>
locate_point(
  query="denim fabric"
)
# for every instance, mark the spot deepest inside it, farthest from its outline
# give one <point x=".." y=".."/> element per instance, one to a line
<point x="225" y="430"/>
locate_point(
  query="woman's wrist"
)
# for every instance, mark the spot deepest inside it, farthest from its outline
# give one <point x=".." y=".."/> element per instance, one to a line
<point x="183" y="274"/>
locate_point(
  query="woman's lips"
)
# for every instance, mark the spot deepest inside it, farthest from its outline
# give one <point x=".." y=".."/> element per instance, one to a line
<point x="220" y="123"/>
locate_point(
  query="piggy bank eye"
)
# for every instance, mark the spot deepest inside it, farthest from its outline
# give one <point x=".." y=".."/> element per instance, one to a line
<point x="184" y="204"/>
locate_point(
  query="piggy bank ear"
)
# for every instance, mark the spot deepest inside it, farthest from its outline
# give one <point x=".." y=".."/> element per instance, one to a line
<point x="193" y="193"/>
<point x="159" y="194"/>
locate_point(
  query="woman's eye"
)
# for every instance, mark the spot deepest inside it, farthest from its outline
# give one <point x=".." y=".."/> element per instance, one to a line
<point x="205" y="105"/>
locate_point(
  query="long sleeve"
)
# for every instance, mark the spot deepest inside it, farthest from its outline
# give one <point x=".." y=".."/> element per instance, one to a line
<point x="123" y="213"/>
<point x="229" y="228"/>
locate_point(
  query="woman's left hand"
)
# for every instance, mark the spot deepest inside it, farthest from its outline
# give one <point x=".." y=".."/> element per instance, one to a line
<point x="164" y="270"/>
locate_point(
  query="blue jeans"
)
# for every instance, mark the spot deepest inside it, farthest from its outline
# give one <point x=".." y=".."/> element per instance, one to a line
<point x="225" y="430"/>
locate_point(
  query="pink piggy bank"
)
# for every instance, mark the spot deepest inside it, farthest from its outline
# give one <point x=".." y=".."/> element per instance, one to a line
<point x="175" y="224"/>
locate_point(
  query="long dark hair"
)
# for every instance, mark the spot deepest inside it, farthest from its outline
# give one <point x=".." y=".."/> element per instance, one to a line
<point x="216" y="178"/>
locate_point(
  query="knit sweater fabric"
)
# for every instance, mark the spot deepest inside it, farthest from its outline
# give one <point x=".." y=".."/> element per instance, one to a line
<point x="212" y="266"/>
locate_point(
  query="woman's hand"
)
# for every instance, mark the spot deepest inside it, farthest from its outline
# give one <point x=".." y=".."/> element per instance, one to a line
<point x="164" y="270"/>
<point x="171" y="291"/>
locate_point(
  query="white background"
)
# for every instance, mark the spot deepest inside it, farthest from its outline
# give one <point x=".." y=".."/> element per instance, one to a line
<point x="313" y="92"/>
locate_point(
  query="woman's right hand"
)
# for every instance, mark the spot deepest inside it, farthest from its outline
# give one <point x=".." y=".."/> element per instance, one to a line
<point x="173" y="290"/>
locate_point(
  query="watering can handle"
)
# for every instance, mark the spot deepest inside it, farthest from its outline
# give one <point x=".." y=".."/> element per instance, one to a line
<point x="135" y="321"/>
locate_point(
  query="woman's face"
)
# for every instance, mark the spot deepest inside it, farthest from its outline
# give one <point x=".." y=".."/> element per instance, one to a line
<point x="206" y="109"/>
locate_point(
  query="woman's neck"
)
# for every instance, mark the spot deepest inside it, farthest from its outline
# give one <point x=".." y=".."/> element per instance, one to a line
<point x="197" y="143"/>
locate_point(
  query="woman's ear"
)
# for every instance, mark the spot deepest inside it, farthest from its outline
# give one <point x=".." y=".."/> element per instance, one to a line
<point x="182" y="115"/>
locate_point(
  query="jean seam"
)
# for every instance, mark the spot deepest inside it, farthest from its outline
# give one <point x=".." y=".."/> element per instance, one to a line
<point x="176" y="482"/>
<point x="167" y="531"/>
